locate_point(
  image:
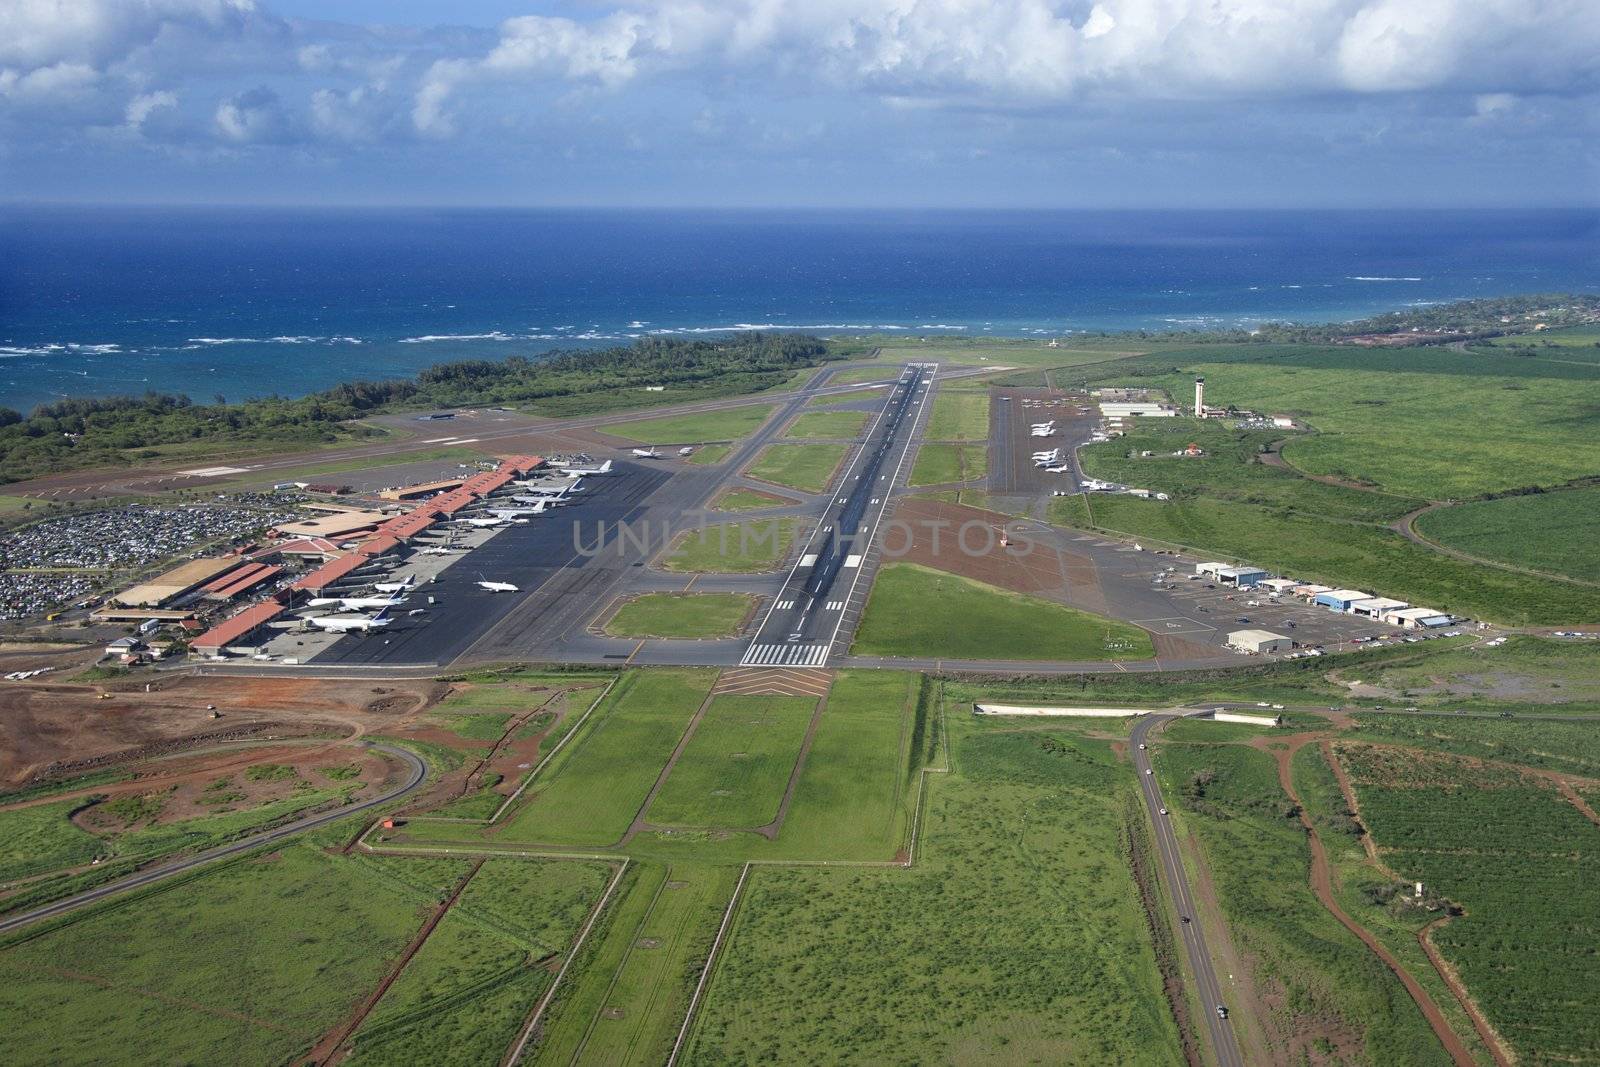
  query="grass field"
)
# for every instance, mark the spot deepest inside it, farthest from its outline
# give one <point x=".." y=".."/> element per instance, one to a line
<point x="939" y="463"/>
<point x="747" y="547"/>
<point x="1315" y="981"/>
<point x="1338" y="553"/>
<point x="463" y="997"/>
<point x="827" y="424"/>
<point x="729" y="424"/>
<point x="590" y="792"/>
<point x="1551" y="532"/>
<point x="747" y="500"/>
<point x="243" y="964"/>
<point x="808" y="468"/>
<point x="964" y="958"/>
<point x="959" y="416"/>
<point x="1566" y="337"/>
<point x="688" y="615"/>
<point x="41" y="838"/>
<point x="917" y="612"/>
<point x="627" y="1003"/>
<point x="850" y="397"/>
<point x="1543" y="675"/>
<point x="888" y="372"/>
<point x="1524" y="865"/>
<point x="1477" y="421"/>
<point x="734" y="770"/>
<point x="706" y="455"/>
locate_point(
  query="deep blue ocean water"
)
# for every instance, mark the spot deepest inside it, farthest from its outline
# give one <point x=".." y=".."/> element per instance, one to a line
<point x="244" y="302"/>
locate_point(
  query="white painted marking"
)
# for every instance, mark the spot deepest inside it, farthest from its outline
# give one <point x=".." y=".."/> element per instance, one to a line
<point x="852" y="561"/>
<point x="808" y="560"/>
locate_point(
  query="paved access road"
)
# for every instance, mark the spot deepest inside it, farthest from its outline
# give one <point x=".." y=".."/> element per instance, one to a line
<point x="1194" y="939"/>
<point x="418" y="771"/>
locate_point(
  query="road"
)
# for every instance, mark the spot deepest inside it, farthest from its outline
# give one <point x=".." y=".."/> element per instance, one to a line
<point x="418" y="772"/>
<point x="807" y="613"/>
<point x="1221" y="1032"/>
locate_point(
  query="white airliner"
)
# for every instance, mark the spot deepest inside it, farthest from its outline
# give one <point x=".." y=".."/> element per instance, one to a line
<point x="497" y="587"/>
<point x="647" y="453"/>
<point x="1059" y="468"/>
<point x="436" y="550"/>
<point x="1050" y="456"/>
<point x="344" y="624"/>
<point x="484" y="522"/>
<point x="1045" y="425"/>
<point x="580" y="472"/>
<point x="537" y="508"/>
<point x="396" y="587"/>
<point x="357" y="603"/>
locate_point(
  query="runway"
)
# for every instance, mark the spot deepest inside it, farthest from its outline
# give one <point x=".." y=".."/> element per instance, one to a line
<point x="807" y="613"/>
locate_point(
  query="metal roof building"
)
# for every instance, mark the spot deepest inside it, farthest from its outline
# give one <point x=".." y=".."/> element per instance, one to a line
<point x="1340" y="599"/>
<point x="1258" y="641"/>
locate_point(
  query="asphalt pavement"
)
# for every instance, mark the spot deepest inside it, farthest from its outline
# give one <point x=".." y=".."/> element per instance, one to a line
<point x="418" y="772"/>
<point x="1223" y="1039"/>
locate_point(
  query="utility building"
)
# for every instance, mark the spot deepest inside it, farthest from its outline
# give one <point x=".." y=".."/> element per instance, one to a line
<point x="1258" y="641"/>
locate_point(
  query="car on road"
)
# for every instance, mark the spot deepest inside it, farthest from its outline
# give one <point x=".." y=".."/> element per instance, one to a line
<point x="1185" y="919"/>
<point x="1243" y="618"/>
<point x="1222" y="1012"/>
<point x="1163" y="811"/>
<point x="1147" y="770"/>
<point x="1143" y="746"/>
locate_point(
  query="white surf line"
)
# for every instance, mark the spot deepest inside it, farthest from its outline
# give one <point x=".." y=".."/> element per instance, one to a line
<point x="572" y="954"/>
<point x="705" y="972"/>
<point x="862" y="451"/>
<point x="923" y="407"/>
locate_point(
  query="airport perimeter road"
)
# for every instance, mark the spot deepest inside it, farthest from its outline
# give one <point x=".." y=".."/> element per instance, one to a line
<point x="807" y="613"/>
<point x="1194" y="940"/>
<point x="417" y="772"/>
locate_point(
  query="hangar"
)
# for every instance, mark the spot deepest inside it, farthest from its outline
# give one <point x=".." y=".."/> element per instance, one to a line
<point x="1376" y="607"/>
<point x="1340" y="599"/>
<point x="1258" y="641"/>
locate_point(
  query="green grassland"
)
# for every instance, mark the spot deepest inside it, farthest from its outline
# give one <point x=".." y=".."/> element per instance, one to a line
<point x="1565" y="337"/>
<point x="464" y="995"/>
<point x="1339" y="553"/>
<point x="917" y="612"/>
<point x="42" y="838"/>
<point x="1308" y="968"/>
<point x="628" y="1000"/>
<point x="827" y="424"/>
<point x="851" y="397"/>
<point x="689" y="615"/>
<point x="591" y="791"/>
<point x="887" y="372"/>
<point x="940" y="463"/>
<point x="1423" y="422"/>
<point x="1016" y="352"/>
<point x="706" y="455"/>
<point x="959" y="416"/>
<point x="1564" y="747"/>
<point x="1552" y="532"/>
<point x="747" y="500"/>
<point x="729" y="424"/>
<point x="808" y="468"/>
<point x="1539" y="674"/>
<point x="747" y="547"/>
<point x="1524" y="865"/>
<point x="244" y="963"/>
<point x="735" y="768"/>
<point x="1017" y="937"/>
<point x="1230" y="470"/>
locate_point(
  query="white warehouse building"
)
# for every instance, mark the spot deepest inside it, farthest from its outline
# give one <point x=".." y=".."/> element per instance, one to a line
<point x="1258" y="641"/>
<point x="1122" y="409"/>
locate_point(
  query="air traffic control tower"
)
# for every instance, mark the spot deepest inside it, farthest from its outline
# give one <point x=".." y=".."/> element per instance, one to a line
<point x="1200" y="398"/>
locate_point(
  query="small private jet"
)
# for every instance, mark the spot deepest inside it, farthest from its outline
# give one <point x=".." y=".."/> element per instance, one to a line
<point x="497" y="587"/>
<point x="396" y="587"/>
<point x="1059" y="468"/>
<point x="344" y="624"/>
<point x="647" y="453"/>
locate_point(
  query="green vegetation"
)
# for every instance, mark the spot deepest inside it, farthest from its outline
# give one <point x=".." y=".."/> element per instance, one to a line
<point x="1524" y="865"/>
<point x="262" y="969"/>
<point x="1552" y="532"/>
<point x="732" y="548"/>
<point x="1534" y="673"/>
<point x="1475" y="422"/>
<point x="681" y="615"/>
<point x="271" y="772"/>
<point x="482" y="726"/>
<point x="463" y="997"/>
<point x="43" y="838"/>
<point x="590" y="793"/>
<point x="734" y="770"/>
<point x="959" y="416"/>
<point x="917" y="612"/>
<point x="706" y="455"/>
<point x="827" y="424"/>
<point x="853" y="396"/>
<point x="938" y="464"/>
<point x="73" y="433"/>
<point x="1563" y="747"/>
<point x="808" y="468"/>
<point x="747" y="500"/>
<point x="964" y="957"/>
<point x="887" y="372"/>
<point x="1339" y="553"/>
<point x="729" y="424"/>
<point x="1309" y="971"/>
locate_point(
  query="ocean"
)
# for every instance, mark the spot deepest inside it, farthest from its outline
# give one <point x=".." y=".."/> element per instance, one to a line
<point x="244" y="302"/>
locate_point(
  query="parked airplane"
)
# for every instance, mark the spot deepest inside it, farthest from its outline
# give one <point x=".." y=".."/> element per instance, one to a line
<point x="517" y="512"/>
<point x="647" y="453"/>
<point x="1059" y="468"/>
<point x="579" y="472"/>
<point x="1050" y="456"/>
<point x="396" y="587"/>
<point x="357" y="603"/>
<point x="497" y="587"/>
<point x="344" y="624"/>
<point x="436" y="550"/>
<point x="485" y="522"/>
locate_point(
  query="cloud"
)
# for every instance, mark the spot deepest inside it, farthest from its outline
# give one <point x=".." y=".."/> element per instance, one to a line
<point x="255" y="116"/>
<point x="1009" y="52"/>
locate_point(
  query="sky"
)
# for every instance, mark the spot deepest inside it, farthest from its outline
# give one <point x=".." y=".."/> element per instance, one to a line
<point x="803" y="103"/>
